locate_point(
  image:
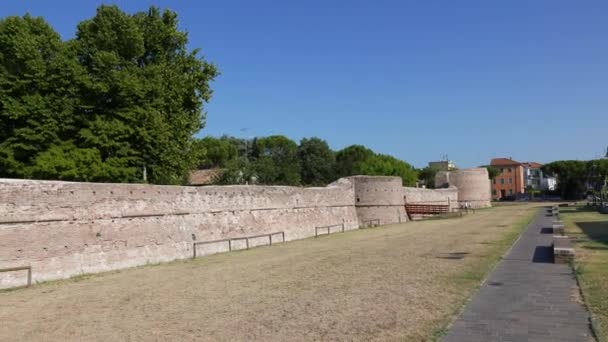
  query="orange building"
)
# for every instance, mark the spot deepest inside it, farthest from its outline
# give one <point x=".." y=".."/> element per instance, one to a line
<point x="510" y="181"/>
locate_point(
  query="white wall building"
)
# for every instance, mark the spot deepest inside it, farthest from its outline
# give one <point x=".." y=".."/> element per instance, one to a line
<point x="536" y="179"/>
<point x="549" y="183"/>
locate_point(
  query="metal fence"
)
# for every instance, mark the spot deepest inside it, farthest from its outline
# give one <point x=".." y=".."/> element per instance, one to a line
<point x="21" y="268"/>
<point x="341" y="225"/>
<point x="230" y="240"/>
<point x="371" y="223"/>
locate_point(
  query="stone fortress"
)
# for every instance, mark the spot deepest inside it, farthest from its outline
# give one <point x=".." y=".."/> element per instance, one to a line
<point x="63" y="229"/>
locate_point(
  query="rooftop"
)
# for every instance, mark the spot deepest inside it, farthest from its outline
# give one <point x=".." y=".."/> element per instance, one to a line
<point x="533" y="165"/>
<point x="204" y="177"/>
<point x="504" y="162"/>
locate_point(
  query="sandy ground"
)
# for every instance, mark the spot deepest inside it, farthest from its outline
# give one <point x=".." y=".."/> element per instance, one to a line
<point x="397" y="282"/>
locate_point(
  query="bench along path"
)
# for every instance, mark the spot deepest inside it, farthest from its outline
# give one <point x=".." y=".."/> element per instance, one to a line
<point x="527" y="297"/>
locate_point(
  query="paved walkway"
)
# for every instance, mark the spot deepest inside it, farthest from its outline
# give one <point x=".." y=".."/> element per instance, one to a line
<point x="526" y="298"/>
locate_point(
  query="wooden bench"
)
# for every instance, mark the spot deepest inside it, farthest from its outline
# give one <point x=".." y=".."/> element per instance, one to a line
<point x="563" y="252"/>
<point x="425" y="209"/>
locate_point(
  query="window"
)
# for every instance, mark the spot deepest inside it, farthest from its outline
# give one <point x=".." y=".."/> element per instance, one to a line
<point x="502" y="181"/>
<point x="510" y="180"/>
<point x="510" y="191"/>
<point x="494" y="192"/>
<point x="502" y="170"/>
<point x="494" y="181"/>
<point x="509" y="169"/>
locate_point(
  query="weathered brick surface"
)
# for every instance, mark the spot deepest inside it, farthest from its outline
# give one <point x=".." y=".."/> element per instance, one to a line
<point x="379" y="198"/>
<point x="63" y="229"/>
<point x="447" y="196"/>
<point x="473" y="185"/>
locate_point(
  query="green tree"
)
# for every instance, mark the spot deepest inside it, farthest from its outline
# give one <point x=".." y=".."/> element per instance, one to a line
<point x="317" y="162"/>
<point x="216" y="152"/>
<point x="427" y="175"/>
<point x="145" y="92"/>
<point x="385" y="165"/>
<point x="571" y="177"/>
<point x="125" y="95"/>
<point x="597" y="173"/>
<point x="275" y="160"/>
<point x="37" y="93"/>
<point x="237" y="171"/>
<point x="493" y="172"/>
<point x="349" y="160"/>
<point x="359" y="160"/>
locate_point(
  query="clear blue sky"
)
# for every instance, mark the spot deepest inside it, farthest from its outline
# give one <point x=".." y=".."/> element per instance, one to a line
<point x="415" y="79"/>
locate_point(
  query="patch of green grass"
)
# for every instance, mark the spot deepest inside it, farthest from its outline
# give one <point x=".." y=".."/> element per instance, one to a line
<point x="439" y="334"/>
<point x="591" y="261"/>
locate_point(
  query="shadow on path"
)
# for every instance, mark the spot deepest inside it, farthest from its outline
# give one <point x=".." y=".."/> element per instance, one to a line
<point x="543" y="254"/>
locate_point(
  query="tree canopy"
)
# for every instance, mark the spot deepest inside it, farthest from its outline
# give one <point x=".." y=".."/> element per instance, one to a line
<point x="575" y="178"/>
<point x="279" y="160"/>
<point x="350" y="160"/>
<point x="124" y="95"/>
<point x="427" y="175"/>
<point x="124" y="99"/>
<point x="317" y="161"/>
<point x="493" y="171"/>
<point x="276" y="160"/>
<point x="385" y="165"/>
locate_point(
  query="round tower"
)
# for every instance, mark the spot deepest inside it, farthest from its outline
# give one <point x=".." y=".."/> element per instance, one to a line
<point x="473" y="185"/>
<point x="378" y="199"/>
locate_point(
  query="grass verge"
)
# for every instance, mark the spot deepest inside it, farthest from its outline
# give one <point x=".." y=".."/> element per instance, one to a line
<point x="590" y="228"/>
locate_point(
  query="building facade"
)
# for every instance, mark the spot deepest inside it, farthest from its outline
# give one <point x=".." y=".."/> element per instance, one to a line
<point x="536" y="179"/>
<point x="510" y="183"/>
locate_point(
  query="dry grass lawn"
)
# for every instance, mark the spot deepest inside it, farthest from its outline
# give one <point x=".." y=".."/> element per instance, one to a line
<point x="591" y="261"/>
<point x="397" y="282"/>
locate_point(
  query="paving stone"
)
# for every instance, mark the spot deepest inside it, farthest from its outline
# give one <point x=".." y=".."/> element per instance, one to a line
<point x="526" y="298"/>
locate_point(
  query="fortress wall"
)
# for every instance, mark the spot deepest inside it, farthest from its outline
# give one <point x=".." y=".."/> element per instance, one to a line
<point x="473" y="185"/>
<point x="446" y="196"/>
<point x="379" y="198"/>
<point x="63" y="229"/>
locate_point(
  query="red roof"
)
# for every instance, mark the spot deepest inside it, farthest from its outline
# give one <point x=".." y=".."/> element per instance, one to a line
<point x="533" y="165"/>
<point x="204" y="177"/>
<point x="503" y="162"/>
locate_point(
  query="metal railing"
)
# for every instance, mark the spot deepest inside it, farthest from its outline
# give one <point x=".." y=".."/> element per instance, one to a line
<point x="371" y="223"/>
<point x="329" y="229"/>
<point x="21" y="268"/>
<point x="230" y="240"/>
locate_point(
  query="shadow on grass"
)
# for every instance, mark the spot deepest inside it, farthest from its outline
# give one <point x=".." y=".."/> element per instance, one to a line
<point x="453" y="255"/>
<point x="543" y="254"/>
<point x="595" y="230"/>
<point x="596" y="248"/>
<point x="578" y="209"/>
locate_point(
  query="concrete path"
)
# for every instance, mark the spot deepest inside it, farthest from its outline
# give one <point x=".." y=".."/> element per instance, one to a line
<point x="526" y="298"/>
